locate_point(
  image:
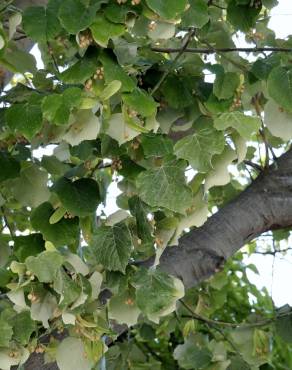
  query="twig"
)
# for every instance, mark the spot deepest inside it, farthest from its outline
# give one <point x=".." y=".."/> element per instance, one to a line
<point x="7" y="223"/>
<point x="55" y="64"/>
<point x="273" y="253"/>
<point x="207" y="321"/>
<point x="210" y="3"/>
<point x="253" y="165"/>
<point x="180" y="52"/>
<point x="256" y="104"/>
<point x="222" y="50"/>
<point x="213" y="325"/>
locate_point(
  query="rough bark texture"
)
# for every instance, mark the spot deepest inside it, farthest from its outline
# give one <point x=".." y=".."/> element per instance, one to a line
<point x="265" y="205"/>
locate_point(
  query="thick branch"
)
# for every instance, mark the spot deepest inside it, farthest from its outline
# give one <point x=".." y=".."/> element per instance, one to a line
<point x="265" y="205"/>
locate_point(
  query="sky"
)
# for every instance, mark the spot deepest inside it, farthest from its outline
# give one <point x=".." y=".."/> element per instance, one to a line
<point x="274" y="273"/>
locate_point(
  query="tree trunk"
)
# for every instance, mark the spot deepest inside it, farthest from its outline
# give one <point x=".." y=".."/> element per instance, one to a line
<point x="265" y="205"/>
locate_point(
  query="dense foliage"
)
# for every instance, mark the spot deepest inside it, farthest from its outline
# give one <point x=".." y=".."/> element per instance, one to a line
<point x="124" y="99"/>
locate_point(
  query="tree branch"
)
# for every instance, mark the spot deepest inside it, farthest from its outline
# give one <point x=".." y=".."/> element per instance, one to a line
<point x="222" y="50"/>
<point x="265" y="205"/>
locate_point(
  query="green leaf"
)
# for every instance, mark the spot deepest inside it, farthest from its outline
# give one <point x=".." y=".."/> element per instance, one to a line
<point x="45" y="265"/>
<point x="80" y="197"/>
<point x="225" y="85"/>
<point x="176" y="93"/>
<point x="31" y="189"/>
<point x="280" y="87"/>
<point x="6" y="332"/>
<point x="140" y="211"/>
<point x="246" y="126"/>
<point x="162" y="31"/>
<point x="155" y="290"/>
<point x="219" y="175"/>
<point x="112" y="246"/>
<point x="67" y="288"/>
<point x="168" y="9"/>
<point x="103" y="30"/>
<point x="72" y="351"/>
<point x="25" y="119"/>
<point x="64" y="232"/>
<point x="197" y="15"/>
<point x="28" y="245"/>
<point x="141" y="102"/>
<point x="43" y="309"/>
<point x="10" y="168"/>
<point x="123" y="309"/>
<point x="191" y="356"/>
<point x="242" y="17"/>
<point x="113" y="71"/>
<point x="75" y="16"/>
<point x="278" y="121"/>
<point x="165" y="187"/>
<point x="19" y="61"/>
<point x="5" y="277"/>
<point x="86" y="126"/>
<point x="41" y="24"/>
<point x="118" y="129"/>
<point x="199" y="148"/>
<point x="246" y="340"/>
<point x="23" y="327"/>
<point x="111" y="89"/>
<point x="155" y="145"/>
<point x="6" y="361"/>
<point x="79" y="72"/>
<point x="57" y="107"/>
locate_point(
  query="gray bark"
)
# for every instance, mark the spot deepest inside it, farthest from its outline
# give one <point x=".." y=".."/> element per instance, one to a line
<point x="265" y="205"/>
